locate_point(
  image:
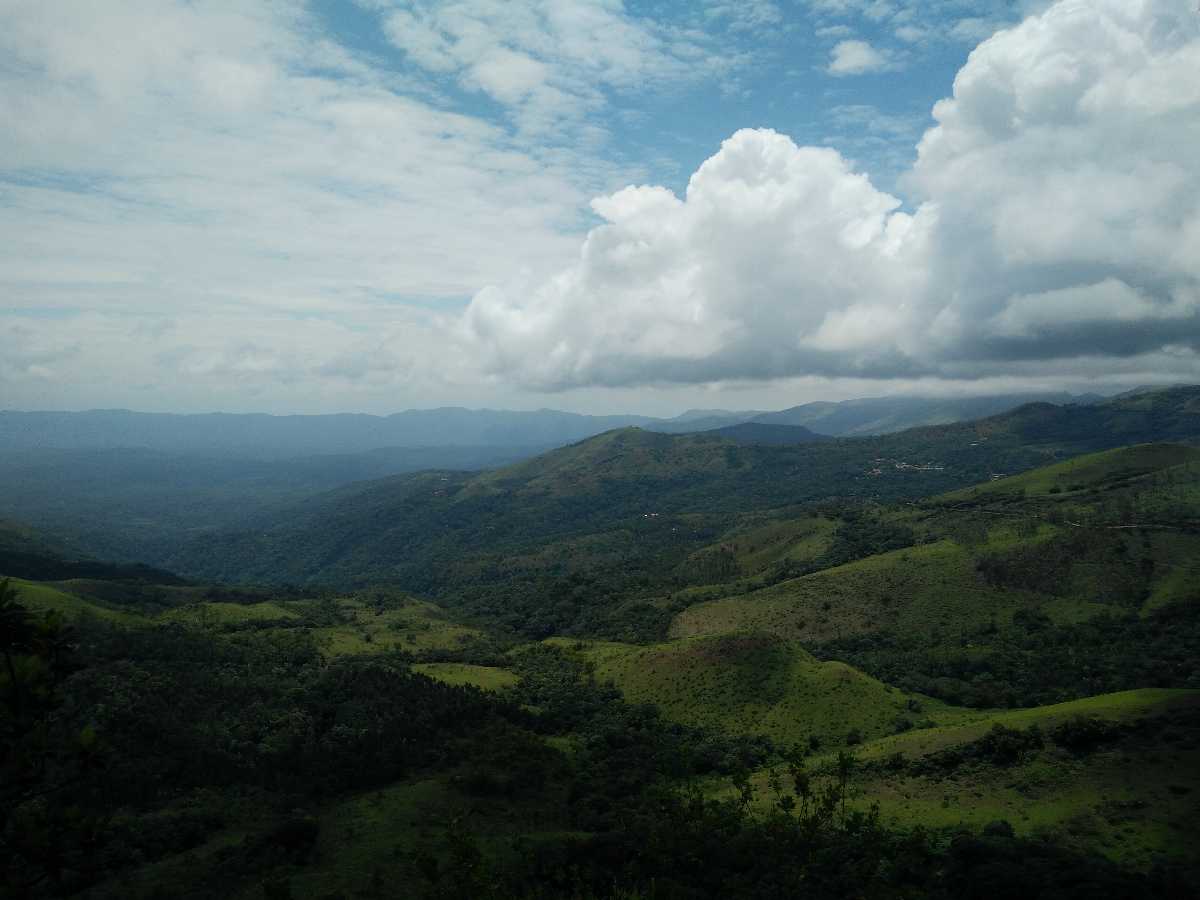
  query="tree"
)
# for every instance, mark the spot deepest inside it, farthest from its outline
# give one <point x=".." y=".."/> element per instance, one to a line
<point x="45" y="832"/>
<point x="16" y="634"/>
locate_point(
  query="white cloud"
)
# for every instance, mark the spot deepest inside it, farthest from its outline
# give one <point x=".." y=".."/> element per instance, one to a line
<point x="179" y="182"/>
<point x="857" y="58"/>
<point x="734" y="280"/>
<point x="746" y="15"/>
<point x="231" y="206"/>
<point x="553" y="62"/>
<point x="1066" y="159"/>
<point x="920" y="23"/>
<point x="912" y="34"/>
<point x="1057" y="232"/>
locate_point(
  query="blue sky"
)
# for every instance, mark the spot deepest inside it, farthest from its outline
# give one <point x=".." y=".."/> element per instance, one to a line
<point x="770" y="68"/>
<point x="592" y="204"/>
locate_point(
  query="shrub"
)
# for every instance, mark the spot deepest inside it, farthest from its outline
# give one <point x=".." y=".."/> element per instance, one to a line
<point x="1083" y="734"/>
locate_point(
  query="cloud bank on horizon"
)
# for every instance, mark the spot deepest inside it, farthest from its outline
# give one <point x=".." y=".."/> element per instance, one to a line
<point x="375" y="204"/>
<point x="1055" y="229"/>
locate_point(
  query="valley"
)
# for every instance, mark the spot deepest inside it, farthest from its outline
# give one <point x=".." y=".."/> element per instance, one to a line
<point x="975" y="643"/>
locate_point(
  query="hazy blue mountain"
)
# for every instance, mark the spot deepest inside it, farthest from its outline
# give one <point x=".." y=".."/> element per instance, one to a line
<point x="706" y="422"/>
<point x="692" y="415"/>
<point x="883" y="415"/>
<point x="631" y="500"/>
<point x="130" y="503"/>
<point x="258" y="436"/>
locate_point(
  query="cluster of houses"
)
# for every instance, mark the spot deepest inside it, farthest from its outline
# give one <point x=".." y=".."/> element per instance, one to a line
<point x="882" y="464"/>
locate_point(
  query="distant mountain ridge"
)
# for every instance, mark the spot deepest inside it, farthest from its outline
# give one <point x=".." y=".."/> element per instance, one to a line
<point x="262" y="436"/>
<point x="884" y="415"/>
<point x="631" y="501"/>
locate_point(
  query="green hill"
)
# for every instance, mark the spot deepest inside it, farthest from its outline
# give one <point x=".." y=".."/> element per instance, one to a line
<point x="1017" y="654"/>
<point x="1097" y="471"/>
<point x="1126" y="791"/>
<point x="1122" y="535"/>
<point x="627" y="508"/>
<point x="1065" y="581"/>
<point x="28" y="553"/>
<point x="759" y="684"/>
<point x="915" y="590"/>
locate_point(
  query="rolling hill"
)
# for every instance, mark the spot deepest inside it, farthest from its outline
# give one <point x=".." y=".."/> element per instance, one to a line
<point x="628" y="507"/>
<point x="1119" y="789"/>
<point x="760" y="684"/>
<point x="880" y="620"/>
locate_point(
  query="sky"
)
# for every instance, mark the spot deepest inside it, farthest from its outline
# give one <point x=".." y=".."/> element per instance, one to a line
<point x="604" y="206"/>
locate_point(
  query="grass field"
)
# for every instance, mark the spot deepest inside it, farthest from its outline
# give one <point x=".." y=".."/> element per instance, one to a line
<point x="1095" y="470"/>
<point x="758" y="684"/>
<point x="1132" y="800"/>
<point x="417" y="626"/>
<point x="216" y="615"/>
<point x="39" y="597"/>
<point x="756" y="545"/>
<point x="1112" y="530"/>
<point x="919" y="589"/>
<point x="489" y="678"/>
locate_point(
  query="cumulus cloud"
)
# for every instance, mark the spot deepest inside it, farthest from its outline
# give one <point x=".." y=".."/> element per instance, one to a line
<point x="736" y="279"/>
<point x="857" y="58"/>
<point x="1064" y="166"/>
<point x="1056" y="228"/>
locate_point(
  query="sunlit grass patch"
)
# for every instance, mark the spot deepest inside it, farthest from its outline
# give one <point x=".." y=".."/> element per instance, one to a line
<point x="489" y="678"/>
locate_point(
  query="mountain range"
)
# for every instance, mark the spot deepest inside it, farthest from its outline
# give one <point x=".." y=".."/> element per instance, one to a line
<point x="259" y="436"/>
<point x="926" y="663"/>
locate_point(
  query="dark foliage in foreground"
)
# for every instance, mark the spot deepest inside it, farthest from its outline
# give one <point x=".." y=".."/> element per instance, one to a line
<point x="690" y="849"/>
<point x="120" y="747"/>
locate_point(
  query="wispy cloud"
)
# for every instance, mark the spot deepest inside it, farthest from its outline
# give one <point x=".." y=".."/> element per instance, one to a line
<point x="551" y="64"/>
<point x="180" y="180"/>
<point x="920" y="23"/>
<point x="746" y="15"/>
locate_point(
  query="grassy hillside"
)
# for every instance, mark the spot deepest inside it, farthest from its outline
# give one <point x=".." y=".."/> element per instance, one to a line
<point x="1096" y="471"/>
<point x="488" y="678"/>
<point x="759" y="684"/>
<point x="999" y="577"/>
<point x="41" y="597"/>
<point x="915" y="590"/>
<point x="273" y="742"/>
<point x="1126" y="791"/>
<point x="361" y="624"/>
